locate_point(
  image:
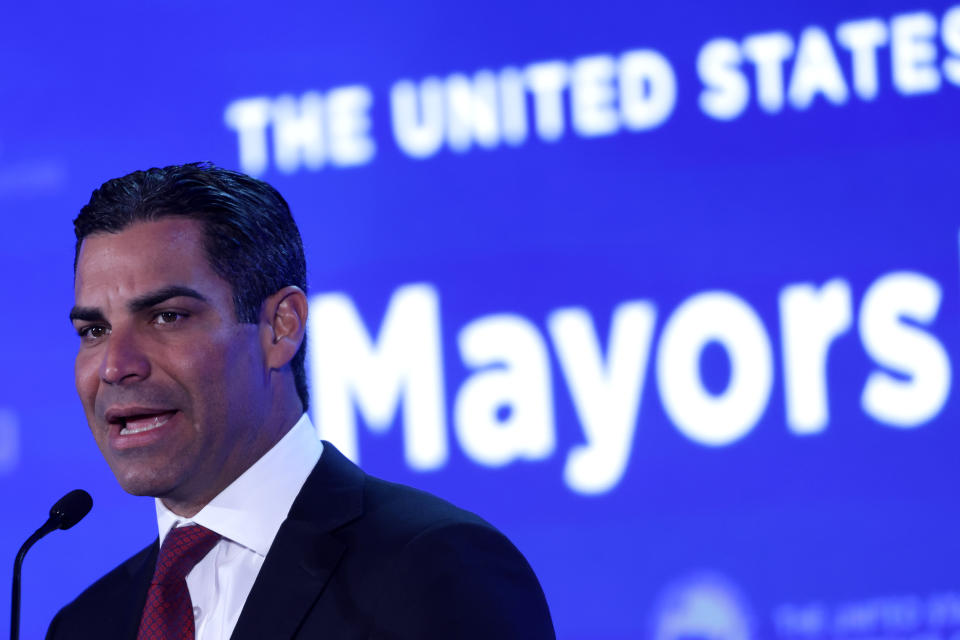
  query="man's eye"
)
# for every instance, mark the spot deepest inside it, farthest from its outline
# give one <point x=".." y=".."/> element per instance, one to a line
<point x="168" y="317"/>
<point x="93" y="332"/>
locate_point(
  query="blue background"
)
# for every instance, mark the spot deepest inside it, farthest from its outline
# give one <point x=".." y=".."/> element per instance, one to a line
<point x="750" y="206"/>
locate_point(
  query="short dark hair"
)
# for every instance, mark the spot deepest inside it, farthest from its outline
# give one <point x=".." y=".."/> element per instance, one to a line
<point x="250" y="237"/>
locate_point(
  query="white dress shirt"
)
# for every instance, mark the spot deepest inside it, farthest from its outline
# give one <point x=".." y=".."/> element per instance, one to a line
<point x="247" y="514"/>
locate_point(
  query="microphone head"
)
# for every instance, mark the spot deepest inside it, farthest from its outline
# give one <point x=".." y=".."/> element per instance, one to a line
<point x="71" y="508"/>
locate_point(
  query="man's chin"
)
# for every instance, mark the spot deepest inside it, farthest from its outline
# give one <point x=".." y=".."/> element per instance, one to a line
<point x="138" y="483"/>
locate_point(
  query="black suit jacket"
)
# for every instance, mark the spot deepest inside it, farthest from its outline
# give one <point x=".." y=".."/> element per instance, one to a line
<point x="357" y="557"/>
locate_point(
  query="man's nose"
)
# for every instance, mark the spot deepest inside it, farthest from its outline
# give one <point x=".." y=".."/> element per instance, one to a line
<point x="123" y="359"/>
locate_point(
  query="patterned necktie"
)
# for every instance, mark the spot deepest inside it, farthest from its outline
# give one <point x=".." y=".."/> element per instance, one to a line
<point x="168" y="614"/>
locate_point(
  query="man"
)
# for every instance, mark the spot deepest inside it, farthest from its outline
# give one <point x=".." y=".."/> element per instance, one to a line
<point x="191" y="311"/>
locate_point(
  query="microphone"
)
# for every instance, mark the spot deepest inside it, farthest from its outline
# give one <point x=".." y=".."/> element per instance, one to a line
<point x="68" y="511"/>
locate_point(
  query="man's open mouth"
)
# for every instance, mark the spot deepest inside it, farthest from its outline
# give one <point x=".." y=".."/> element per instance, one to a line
<point x="139" y="423"/>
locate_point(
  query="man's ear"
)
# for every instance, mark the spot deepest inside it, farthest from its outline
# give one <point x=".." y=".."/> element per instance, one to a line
<point x="283" y="325"/>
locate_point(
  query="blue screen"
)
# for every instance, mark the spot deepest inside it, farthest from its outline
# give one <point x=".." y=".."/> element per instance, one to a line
<point x="668" y="292"/>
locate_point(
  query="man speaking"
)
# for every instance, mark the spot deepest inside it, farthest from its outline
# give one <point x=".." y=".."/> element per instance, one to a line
<point x="191" y="309"/>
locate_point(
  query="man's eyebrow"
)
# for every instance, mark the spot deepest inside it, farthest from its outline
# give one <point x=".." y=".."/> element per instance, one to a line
<point x="153" y="298"/>
<point x="87" y="314"/>
<point x="94" y="314"/>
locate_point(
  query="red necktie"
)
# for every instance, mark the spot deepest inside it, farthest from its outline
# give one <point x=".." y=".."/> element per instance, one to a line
<point x="168" y="614"/>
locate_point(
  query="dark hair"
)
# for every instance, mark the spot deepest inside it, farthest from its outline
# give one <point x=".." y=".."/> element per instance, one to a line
<point x="250" y="237"/>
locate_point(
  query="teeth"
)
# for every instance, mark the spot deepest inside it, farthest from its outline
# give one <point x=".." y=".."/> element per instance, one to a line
<point x="139" y="426"/>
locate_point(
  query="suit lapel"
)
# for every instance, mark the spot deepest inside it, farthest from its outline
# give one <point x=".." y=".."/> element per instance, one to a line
<point x="304" y="554"/>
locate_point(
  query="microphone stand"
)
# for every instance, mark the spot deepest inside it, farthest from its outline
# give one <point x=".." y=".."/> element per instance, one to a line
<point x="47" y="527"/>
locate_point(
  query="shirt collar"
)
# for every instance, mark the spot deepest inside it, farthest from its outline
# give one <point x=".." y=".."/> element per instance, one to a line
<point x="252" y="508"/>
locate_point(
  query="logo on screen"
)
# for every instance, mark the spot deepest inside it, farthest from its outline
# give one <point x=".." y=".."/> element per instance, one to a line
<point x="702" y="606"/>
